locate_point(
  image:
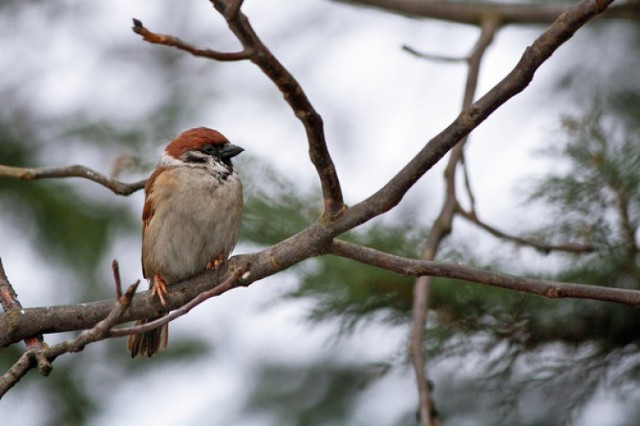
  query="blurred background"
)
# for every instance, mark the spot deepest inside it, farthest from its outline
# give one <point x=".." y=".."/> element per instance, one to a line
<point x="324" y="343"/>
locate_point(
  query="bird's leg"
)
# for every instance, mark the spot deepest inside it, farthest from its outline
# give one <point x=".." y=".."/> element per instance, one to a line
<point x="159" y="289"/>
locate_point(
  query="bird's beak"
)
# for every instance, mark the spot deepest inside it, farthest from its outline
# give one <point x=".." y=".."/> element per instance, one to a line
<point x="230" y="151"/>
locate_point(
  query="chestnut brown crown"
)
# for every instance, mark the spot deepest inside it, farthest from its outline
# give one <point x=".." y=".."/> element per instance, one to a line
<point x="194" y="145"/>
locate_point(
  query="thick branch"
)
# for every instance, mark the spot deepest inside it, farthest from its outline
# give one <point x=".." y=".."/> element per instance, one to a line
<point x="119" y="188"/>
<point x="17" y="325"/>
<point x="474" y="12"/>
<point x="545" y="288"/>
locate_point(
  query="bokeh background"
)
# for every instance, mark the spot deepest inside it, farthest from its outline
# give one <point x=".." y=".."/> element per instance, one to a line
<point x="325" y="342"/>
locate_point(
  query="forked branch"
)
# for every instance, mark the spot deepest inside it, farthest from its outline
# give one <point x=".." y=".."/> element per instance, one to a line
<point x="99" y="332"/>
<point x="255" y="50"/>
<point x="516" y="81"/>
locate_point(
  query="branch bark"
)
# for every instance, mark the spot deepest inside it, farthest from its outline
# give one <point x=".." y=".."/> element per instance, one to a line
<point x="295" y="96"/>
<point x="538" y="245"/>
<point x="10" y="303"/>
<point x="99" y="332"/>
<point x="516" y="81"/>
<point x="540" y="287"/>
<point x="117" y="187"/>
<point x="473" y="13"/>
<point x="172" y="41"/>
<point x="440" y="229"/>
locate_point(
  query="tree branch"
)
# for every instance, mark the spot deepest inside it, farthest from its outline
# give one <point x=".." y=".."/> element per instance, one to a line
<point x="226" y="285"/>
<point x="117" y="187"/>
<point x="538" y="245"/>
<point x="171" y="41"/>
<point x="545" y="288"/>
<point x="474" y="12"/>
<point x="27" y="322"/>
<point x="11" y="305"/>
<point x="297" y="100"/>
<point x="440" y="229"/>
<point x="517" y="80"/>
<point x="432" y="56"/>
<point x="317" y="238"/>
<point x="259" y="54"/>
<point x="99" y="332"/>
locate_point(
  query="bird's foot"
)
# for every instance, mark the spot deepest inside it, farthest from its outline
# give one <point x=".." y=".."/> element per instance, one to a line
<point x="215" y="263"/>
<point x="159" y="289"/>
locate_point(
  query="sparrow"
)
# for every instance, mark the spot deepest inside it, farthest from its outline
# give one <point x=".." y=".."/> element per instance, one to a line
<point x="190" y="220"/>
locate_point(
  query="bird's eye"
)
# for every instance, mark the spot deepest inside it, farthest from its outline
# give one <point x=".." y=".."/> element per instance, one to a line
<point x="208" y="149"/>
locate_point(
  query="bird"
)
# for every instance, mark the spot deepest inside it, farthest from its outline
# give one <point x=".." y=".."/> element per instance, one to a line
<point x="190" y="219"/>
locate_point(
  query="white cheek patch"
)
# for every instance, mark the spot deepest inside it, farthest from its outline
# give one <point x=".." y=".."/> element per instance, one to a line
<point x="168" y="161"/>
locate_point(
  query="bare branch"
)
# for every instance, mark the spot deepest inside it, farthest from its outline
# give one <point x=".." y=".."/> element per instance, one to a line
<point x="116" y="278"/>
<point x="433" y="56"/>
<point x="99" y="332"/>
<point x="467" y="184"/>
<point x="297" y="100"/>
<point x="168" y="40"/>
<point x="516" y="81"/>
<point x="538" y="245"/>
<point x="8" y="297"/>
<point x="11" y="305"/>
<point x="474" y="12"/>
<point x="31" y="321"/>
<point x="259" y="54"/>
<point x="317" y="238"/>
<point x="224" y="286"/>
<point x="117" y="187"/>
<point x="440" y="229"/>
<point x="545" y="288"/>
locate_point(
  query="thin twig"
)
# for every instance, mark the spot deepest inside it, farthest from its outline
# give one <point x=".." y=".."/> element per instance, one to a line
<point x="433" y="56"/>
<point x="545" y="288"/>
<point x="538" y="245"/>
<point x="259" y="54"/>
<point x="224" y="286"/>
<point x="167" y="40"/>
<point x="116" y="278"/>
<point x="117" y="187"/>
<point x="467" y="184"/>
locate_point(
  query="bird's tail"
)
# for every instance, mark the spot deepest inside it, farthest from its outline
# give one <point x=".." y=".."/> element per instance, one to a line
<point x="148" y="343"/>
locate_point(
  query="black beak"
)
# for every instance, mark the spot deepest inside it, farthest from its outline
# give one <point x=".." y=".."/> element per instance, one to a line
<point x="230" y="151"/>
